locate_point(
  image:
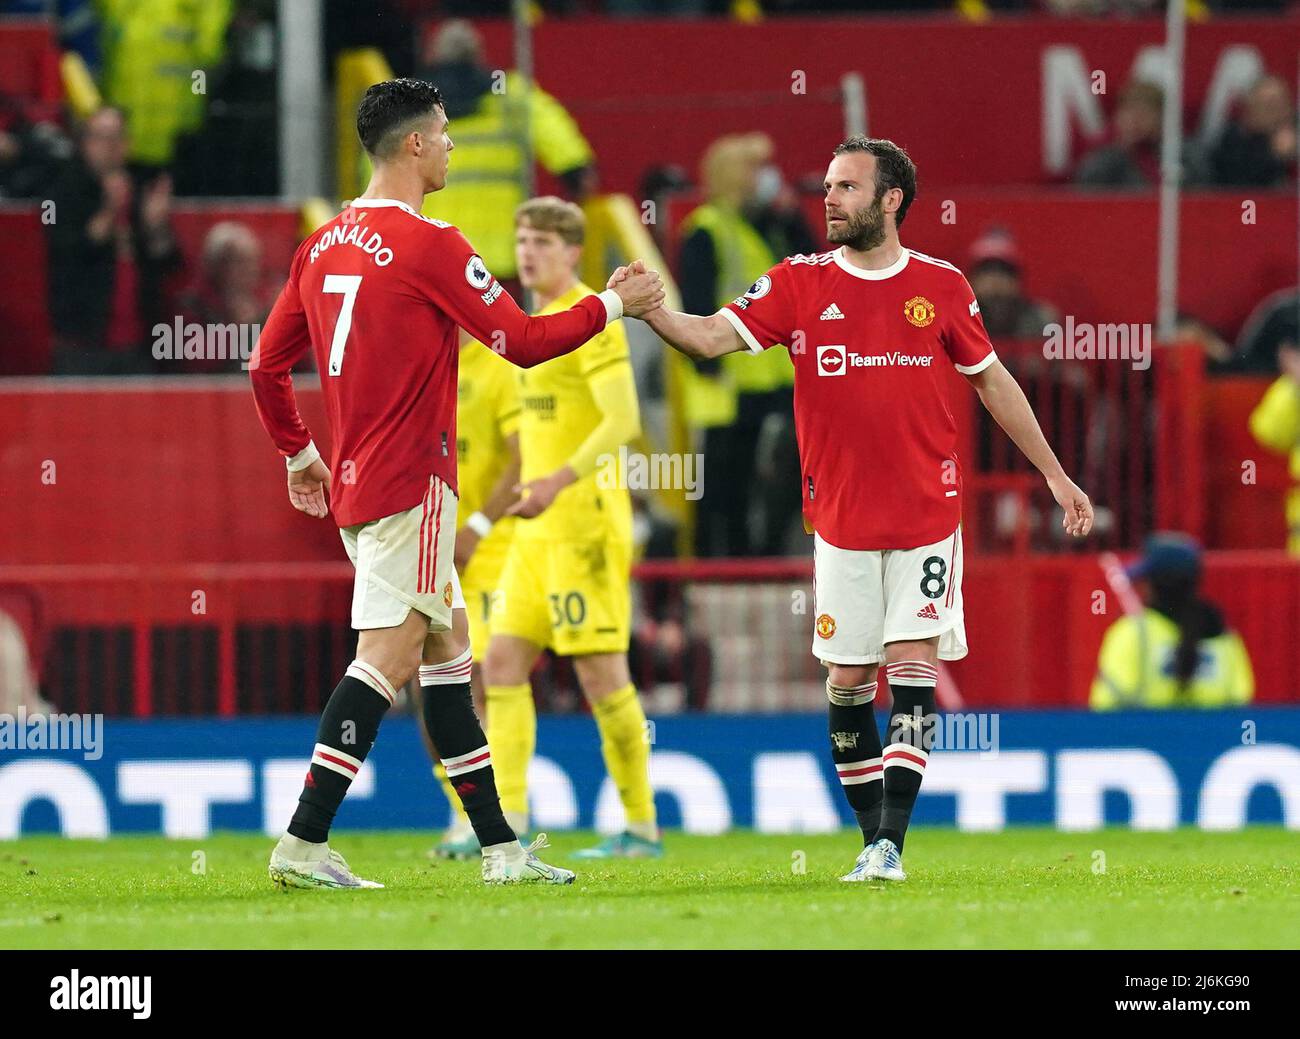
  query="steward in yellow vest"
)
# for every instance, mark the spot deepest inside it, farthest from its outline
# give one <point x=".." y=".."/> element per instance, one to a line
<point x="1275" y="423"/>
<point x="1178" y="652"/>
<point x="497" y="120"/>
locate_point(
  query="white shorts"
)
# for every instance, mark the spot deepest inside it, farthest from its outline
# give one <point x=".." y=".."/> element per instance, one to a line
<point x="865" y="599"/>
<point x="405" y="562"/>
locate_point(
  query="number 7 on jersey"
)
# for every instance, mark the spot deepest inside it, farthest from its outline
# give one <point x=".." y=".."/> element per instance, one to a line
<point x="346" y="285"/>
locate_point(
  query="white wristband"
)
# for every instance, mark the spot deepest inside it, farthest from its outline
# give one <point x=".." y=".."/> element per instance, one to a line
<point x="613" y="305"/>
<point x="479" y="524"/>
<point x="303" y="459"/>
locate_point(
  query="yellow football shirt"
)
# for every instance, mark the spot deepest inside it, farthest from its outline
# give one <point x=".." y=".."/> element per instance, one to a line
<point x="487" y="412"/>
<point x="557" y="414"/>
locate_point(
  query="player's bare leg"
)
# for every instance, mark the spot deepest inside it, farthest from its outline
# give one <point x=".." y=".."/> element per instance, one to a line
<point x="856" y="751"/>
<point x="386" y="660"/>
<point x="624" y="742"/>
<point x="911" y="669"/>
<point x="512" y="720"/>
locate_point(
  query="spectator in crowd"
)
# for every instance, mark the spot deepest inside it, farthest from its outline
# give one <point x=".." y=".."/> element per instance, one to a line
<point x="1131" y="159"/>
<point x="1275" y="422"/>
<point x="155" y="52"/>
<point x="110" y="248"/>
<point x="1258" y="148"/>
<point x="230" y="288"/>
<point x="1177" y="651"/>
<point x="493" y="116"/>
<point x="731" y="399"/>
<point x="30" y="151"/>
<point x="995" y="271"/>
<point x="776" y="213"/>
<point x="1274" y="323"/>
<point x="228" y="154"/>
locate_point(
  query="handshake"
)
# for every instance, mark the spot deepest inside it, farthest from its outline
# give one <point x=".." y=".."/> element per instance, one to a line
<point x="640" y="290"/>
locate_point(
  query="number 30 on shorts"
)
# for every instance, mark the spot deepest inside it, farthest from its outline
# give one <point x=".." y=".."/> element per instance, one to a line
<point x="933" y="572"/>
<point x="570" y="608"/>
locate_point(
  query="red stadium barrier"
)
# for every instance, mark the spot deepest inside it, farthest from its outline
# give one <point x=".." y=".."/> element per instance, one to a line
<point x="267" y="639"/>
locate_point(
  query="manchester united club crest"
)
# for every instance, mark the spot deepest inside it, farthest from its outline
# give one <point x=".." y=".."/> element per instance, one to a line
<point x="446" y="594"/>
<point x="825" y="626"/>
<point x="919" y="311"/>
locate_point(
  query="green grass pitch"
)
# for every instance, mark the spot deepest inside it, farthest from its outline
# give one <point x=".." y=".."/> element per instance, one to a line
<point x="1023" y="888"/>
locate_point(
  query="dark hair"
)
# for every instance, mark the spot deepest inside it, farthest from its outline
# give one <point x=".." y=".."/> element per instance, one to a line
<point x="391" y="106"/>
<point x="894" y="169"/>
<point x="1175" y="595"/>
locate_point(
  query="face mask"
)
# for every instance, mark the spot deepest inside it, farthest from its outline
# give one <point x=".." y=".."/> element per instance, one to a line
<point x="767" y="185"/>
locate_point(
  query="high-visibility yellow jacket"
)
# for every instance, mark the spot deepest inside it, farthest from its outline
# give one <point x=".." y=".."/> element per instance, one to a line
<point x="742" y="257"/>
<point x="1135" y="668"/>
<point x="485" y="184"/>
<point x="1275" y="423"/>
<point x="154" y="51"/>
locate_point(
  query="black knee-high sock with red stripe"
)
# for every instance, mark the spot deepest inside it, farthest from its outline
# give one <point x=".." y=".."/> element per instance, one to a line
<point x="911" y="734"/>
<point x="347" y="731"/>
<point x="855" y="749"/>
<point x="457" y="733"/>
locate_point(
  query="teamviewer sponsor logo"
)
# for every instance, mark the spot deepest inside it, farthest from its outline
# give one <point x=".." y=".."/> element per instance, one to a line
<point x="834" y="360"/>
<point x="830" y="360"/>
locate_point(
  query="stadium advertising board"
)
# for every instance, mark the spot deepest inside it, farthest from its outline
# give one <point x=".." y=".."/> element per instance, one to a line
<point x="1075" y="771"/>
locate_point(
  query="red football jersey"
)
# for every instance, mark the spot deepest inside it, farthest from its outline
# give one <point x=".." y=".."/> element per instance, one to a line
<point x="379" y="292"/>
<point x="877" y="443"/>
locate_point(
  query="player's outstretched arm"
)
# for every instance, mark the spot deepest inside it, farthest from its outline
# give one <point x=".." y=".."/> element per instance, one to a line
<point x="1006" y="402"/>
<point x="698" y="337"/>
<point x="457" y="282"/>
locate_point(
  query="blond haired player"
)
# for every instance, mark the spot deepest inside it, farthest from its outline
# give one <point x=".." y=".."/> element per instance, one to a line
<point x="566" y="580"/>
<point x="487" y="459"/>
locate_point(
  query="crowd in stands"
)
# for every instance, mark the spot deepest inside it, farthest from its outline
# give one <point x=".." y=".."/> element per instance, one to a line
<point x="1257" y="147"/>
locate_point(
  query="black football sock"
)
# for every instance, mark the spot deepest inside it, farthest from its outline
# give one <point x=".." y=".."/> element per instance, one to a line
<point x="347" y="731"/>
<point x="912" y="723"/>
<point x="855" y="749"/>
<point x="455" y="729"/>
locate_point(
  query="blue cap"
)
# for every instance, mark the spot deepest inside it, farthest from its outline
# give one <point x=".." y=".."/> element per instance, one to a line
<point x="1167" y="554"/>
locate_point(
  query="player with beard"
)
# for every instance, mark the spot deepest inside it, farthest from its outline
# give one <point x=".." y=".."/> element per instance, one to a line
<point x="870" y="327"/>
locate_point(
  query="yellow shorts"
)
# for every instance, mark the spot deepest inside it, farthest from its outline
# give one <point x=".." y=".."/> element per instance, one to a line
<point x="572" y="596"/>
<point x="481" y="583"/>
